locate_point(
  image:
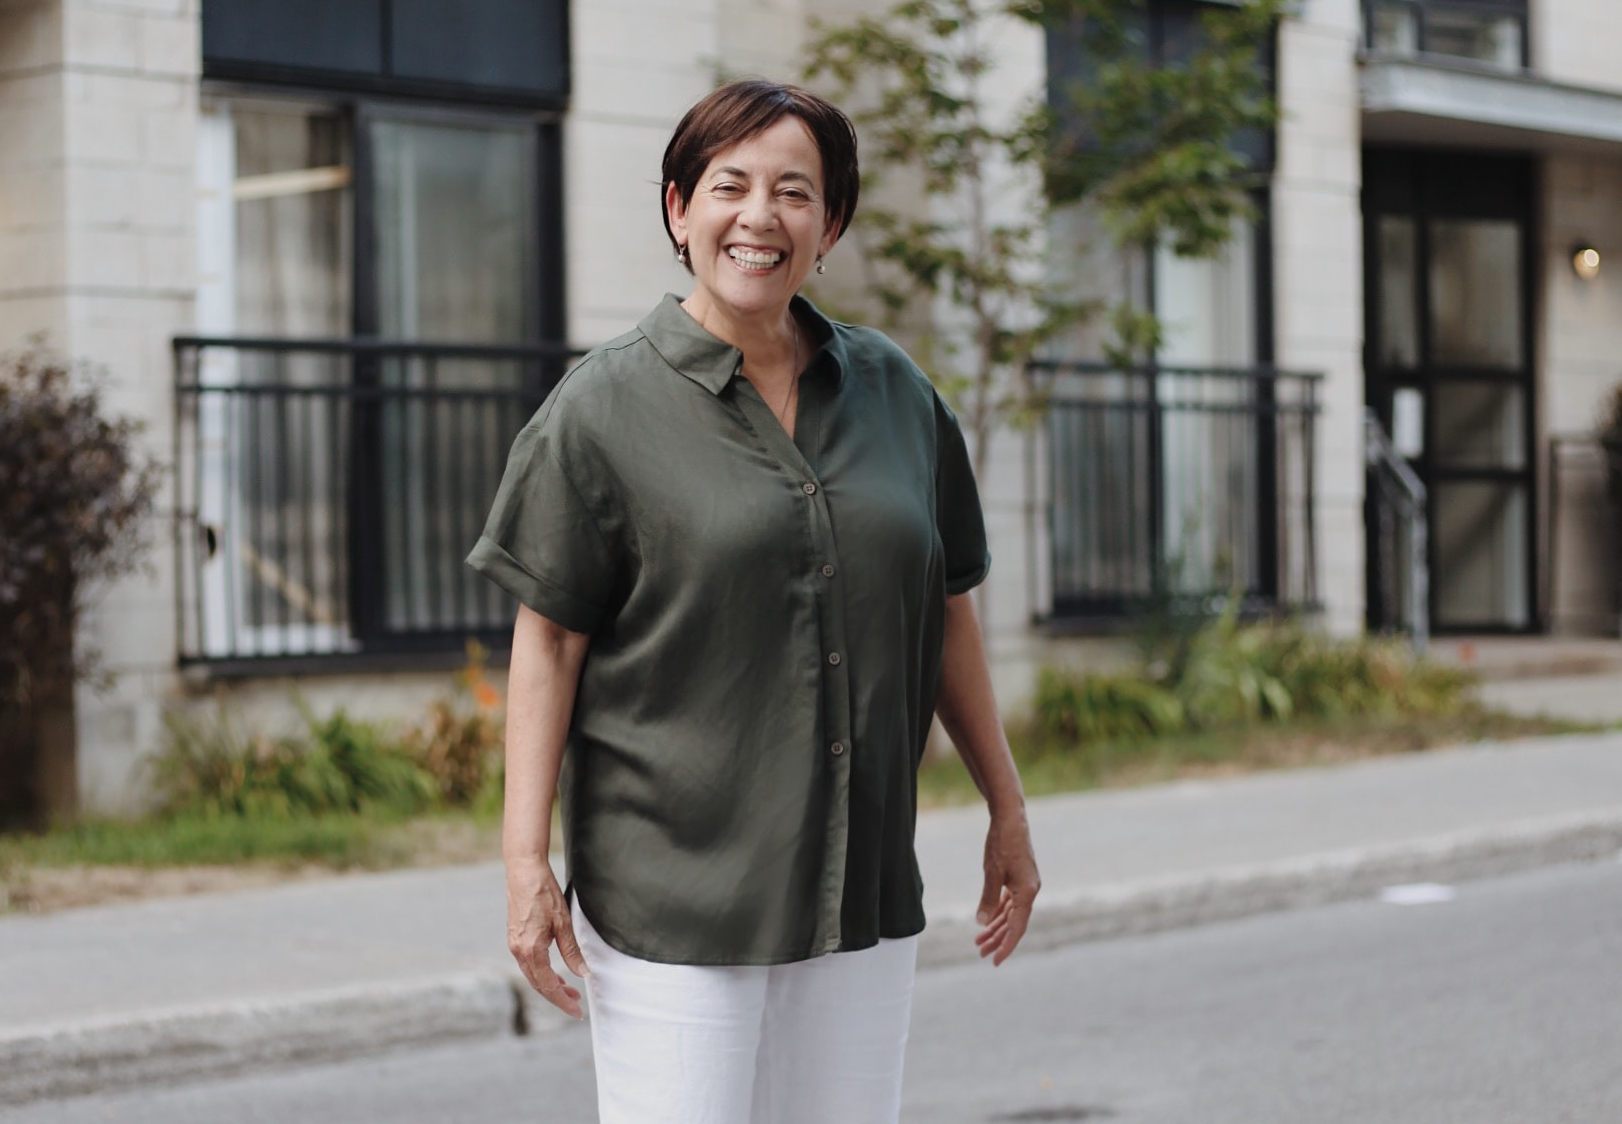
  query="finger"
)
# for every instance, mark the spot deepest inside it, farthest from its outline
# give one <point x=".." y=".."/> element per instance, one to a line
<point x="991" y="940"/>
<point x="999" y="921"/>
<point x="988" y="898"/>
<point x="1019" y="919"/>
<point x="569" y="949"/>
<point x="555" y="991"/>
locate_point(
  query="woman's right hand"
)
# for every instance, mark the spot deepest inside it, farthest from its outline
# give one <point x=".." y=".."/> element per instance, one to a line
<point x="538" y="918"/>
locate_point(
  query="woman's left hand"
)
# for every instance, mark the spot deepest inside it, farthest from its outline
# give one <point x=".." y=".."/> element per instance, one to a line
<point x="1011" y="885"/>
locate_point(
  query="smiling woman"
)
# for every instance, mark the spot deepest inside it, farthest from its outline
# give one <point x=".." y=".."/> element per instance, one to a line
<point x="732" y="700"/>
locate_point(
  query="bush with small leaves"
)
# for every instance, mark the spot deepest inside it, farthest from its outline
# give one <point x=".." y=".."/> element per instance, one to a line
<point x="77" y="493"/>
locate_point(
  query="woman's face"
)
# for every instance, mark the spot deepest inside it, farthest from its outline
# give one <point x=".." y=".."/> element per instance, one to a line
<point x="755" y="225"/>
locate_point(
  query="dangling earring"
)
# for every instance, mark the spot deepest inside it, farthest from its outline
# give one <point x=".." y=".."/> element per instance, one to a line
<point x="820" y="267"/>
<point x="681" y="255"/>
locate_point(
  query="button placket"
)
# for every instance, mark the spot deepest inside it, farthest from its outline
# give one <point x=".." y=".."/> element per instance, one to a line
<point x="837" y="730"/>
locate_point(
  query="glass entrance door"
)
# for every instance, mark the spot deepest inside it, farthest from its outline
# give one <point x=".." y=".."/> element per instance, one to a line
<point x="1448" y="365"/>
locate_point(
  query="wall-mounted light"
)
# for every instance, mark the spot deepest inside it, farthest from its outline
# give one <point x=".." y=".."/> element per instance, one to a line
<point x="1585" y="261"/>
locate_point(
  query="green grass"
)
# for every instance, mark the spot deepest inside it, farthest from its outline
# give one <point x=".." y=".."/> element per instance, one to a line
<point x="333" y="840"/>
<point x="1047" y="768"/>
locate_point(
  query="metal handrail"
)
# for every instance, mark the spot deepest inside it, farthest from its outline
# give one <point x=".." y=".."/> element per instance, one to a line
<point x="1403" y="490"/>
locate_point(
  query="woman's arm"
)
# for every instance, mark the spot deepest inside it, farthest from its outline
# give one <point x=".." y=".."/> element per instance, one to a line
<point x="541" y="683"/>
<point x="968" y="710"/>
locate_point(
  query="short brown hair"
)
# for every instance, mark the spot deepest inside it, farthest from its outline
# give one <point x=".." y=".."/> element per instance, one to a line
<point x="746" y="108"/>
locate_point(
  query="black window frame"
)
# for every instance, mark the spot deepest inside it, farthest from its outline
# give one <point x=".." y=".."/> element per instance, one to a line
<point x="544" y="342"/>
<point x="1518" y="9"/>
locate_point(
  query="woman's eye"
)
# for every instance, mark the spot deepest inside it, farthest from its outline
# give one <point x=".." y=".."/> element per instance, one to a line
<point x="726" y="189"/>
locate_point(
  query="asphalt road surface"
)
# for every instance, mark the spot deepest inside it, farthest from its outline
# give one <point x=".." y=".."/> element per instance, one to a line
<point x="1502" y="1005"/>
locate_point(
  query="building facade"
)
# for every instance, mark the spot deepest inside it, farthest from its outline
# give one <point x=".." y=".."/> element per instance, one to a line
<point x="332" y="253"/>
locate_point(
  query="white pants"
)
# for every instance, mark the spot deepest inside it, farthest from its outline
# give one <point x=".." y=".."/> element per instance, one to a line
<point x="815" y="1042"/>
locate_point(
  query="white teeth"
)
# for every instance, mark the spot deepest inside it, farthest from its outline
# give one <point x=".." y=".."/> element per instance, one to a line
<point x="759" y="258"/>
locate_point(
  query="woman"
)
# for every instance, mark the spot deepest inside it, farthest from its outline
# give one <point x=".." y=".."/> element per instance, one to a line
<point x="742" y="537"/>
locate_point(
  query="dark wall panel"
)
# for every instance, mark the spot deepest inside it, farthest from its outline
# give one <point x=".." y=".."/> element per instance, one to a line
<point x="505" y="44"/>
<point x="334" y="35"/>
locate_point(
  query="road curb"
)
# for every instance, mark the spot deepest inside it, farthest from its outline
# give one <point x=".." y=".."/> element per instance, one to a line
<point x="1182" y="901"/>
<point x="167" y="1046"/>
<point x="170" y="1046"/>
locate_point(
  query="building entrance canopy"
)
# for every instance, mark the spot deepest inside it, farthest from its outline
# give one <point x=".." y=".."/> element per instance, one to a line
<point x="1434" y="103"/>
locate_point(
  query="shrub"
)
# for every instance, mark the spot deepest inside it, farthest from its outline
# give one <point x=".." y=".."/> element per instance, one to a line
<point x="1225" y="674"/>
<point x="1072" y="708"/>
<point x="461" y="743"/>
<point x="76" y="492"/>
<point x="70" y="512"/>
<point x="338" y="764"/>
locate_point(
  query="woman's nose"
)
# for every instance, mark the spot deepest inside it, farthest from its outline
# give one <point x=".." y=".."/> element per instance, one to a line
<point x="759" y="210"/>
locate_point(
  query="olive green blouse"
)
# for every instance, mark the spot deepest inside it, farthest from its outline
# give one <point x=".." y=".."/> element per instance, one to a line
<point x="766" y="618"/>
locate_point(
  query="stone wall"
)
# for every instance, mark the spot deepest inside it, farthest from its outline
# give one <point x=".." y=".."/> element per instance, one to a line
<point x="1318" y="275"/>
<point x="98" y="107"/>
<point x="1580" y="364"/>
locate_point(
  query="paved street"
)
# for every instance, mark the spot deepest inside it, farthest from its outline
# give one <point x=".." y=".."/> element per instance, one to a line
<point x="1499" y="1005"/>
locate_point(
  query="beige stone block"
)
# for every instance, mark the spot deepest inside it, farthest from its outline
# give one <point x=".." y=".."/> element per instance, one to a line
<point x="104" y="134"/>
<point x="31" y="136"/>
<point x="169" y="140"/>
<point x="654" y="92"/>
<point x="167" y="201"/>
<point x="171" y="46"/>
<point x="146" y="7"/>
<point x="30" y="38"/>
<point x="31" y="196"/>
<point x="100" y="37"/>
<point x="31" y="260"/>
<point x="106" y="195"/>
<point x="169" y="263"/>
<point x="101" y="258"/>
<point x="647" y="33"/>
<point x="25" y="317"/>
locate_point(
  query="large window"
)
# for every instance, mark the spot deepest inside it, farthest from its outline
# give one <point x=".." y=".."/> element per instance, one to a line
<point x="1492" y="32"/>
<point x="379" y="308"/>
<point x="1171" y="477"/>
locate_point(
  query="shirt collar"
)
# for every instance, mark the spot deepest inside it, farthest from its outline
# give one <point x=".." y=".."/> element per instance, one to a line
<point x="711" y="362"/>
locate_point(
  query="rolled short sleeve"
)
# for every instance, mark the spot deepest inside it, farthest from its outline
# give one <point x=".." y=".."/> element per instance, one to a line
<point x="542" y="542"/>
<point x="958" y="516"/>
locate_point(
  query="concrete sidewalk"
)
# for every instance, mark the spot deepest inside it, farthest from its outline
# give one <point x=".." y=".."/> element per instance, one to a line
<point x="166" y="990"/>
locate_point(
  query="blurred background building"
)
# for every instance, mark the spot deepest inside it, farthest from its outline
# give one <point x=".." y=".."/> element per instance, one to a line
<point x="334" y="251"/>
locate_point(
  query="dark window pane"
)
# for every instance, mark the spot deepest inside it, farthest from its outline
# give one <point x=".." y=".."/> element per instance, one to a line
<point x="1481" y="533"/>
<point x="1475" y="292"/>
<point x="340" y="35"/>
<point x="1481" y="424"/>
<point x="1399" y="299"/>
<point x="507" y="44"/>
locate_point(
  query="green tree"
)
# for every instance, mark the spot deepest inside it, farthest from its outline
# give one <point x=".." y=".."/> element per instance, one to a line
<point x="1148" y="146"/>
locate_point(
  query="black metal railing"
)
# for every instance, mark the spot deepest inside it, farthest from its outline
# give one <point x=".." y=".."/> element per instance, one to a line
<point x="327" y="491"/>
<point x="1491" y="32"/>
<point x="1177" y="484"/>
<point x="1398" y="522"/>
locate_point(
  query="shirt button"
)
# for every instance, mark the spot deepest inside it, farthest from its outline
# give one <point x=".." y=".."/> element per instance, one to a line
<point x="827" y="570"/>
<point x="833" y="658"/>
<point x="808" y="488"/>
<point x="837" y="748"/>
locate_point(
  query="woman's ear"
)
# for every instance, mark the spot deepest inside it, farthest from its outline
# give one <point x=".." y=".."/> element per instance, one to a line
<point x="830" y="237"/>
<point x="676" y="212"/>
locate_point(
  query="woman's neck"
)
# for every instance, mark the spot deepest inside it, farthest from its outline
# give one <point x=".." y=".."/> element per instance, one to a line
<point x="770" y="344"/>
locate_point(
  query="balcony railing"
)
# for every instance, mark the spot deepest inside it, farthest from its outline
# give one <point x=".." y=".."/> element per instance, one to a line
<point x="326" y="492"/>
<point x="1491" y="32"/>
<point x="1397" y="518"/>
<point x="1176" y="484"/>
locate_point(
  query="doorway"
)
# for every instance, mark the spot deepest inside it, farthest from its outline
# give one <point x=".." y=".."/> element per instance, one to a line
<point x="1448" y="369"/>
